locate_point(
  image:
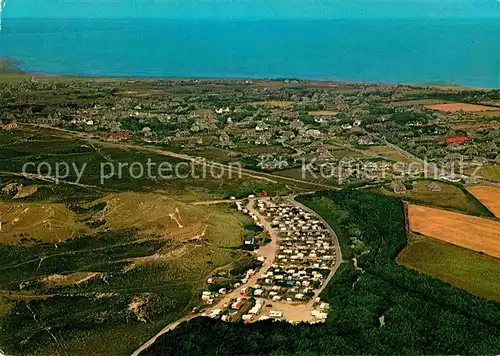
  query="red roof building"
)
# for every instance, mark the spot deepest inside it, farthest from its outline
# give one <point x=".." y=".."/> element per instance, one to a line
<point x="457" y="139"/>
<point x="263" y="193"/>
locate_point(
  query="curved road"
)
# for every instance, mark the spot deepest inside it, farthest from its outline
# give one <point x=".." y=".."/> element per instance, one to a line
<point x="167" y="328"/>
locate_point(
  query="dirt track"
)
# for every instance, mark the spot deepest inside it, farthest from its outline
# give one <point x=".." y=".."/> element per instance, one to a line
<point x="474" y="233"/>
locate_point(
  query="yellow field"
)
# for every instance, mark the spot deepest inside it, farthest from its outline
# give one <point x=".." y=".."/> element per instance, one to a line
<point x="45" y="222"/>
<point x="322" y="113"/>
<point x="451" y="107"/>
<point x="489" y="196"/>
<point x="474" y="233"/>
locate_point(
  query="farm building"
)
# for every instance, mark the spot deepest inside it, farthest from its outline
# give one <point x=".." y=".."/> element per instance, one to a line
<point x="434" y="187"/>
<point x="250" y="239"/>
<point x="456" y="139"/>
<point x="398" y="187"/>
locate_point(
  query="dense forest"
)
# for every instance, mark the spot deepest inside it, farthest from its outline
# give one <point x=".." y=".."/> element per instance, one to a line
<point x="377" y="308"/>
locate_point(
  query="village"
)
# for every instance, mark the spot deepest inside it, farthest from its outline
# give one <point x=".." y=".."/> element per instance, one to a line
<point x="369" y="134"/>
<point x="294" y="267"/>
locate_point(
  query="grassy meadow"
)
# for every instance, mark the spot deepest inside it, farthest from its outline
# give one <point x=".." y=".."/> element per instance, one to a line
<point x="465" y="269"/>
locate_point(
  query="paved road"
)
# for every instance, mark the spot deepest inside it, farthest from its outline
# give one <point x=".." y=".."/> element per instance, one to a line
<point x="167" y="328"/>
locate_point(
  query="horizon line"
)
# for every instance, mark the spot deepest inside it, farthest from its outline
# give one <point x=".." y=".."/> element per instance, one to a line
<point x="493" y="17"/>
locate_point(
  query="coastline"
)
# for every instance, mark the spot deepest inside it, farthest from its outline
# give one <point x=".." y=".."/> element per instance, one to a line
<point x="10" y="66"/>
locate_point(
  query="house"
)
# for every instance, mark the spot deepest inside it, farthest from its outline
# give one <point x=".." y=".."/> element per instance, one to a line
<point x="398" y="187"/>
<point x="456" y="139"/>
<point x="118" y="136"/>
<point x="146" y="131"/>
<point x="365" y="141"/>
<point x="434" y="187"/>
<point x="250" y="239"/>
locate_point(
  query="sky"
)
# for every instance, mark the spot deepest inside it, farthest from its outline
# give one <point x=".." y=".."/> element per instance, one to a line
<point x="253" y="9"/>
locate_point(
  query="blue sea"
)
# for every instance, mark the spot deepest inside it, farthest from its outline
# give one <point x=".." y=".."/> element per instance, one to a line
<point x="463" y="52"/>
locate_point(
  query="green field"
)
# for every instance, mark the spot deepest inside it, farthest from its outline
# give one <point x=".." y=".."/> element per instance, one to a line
<point x="474" y="272"/>
<point x="451" y="196"/>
